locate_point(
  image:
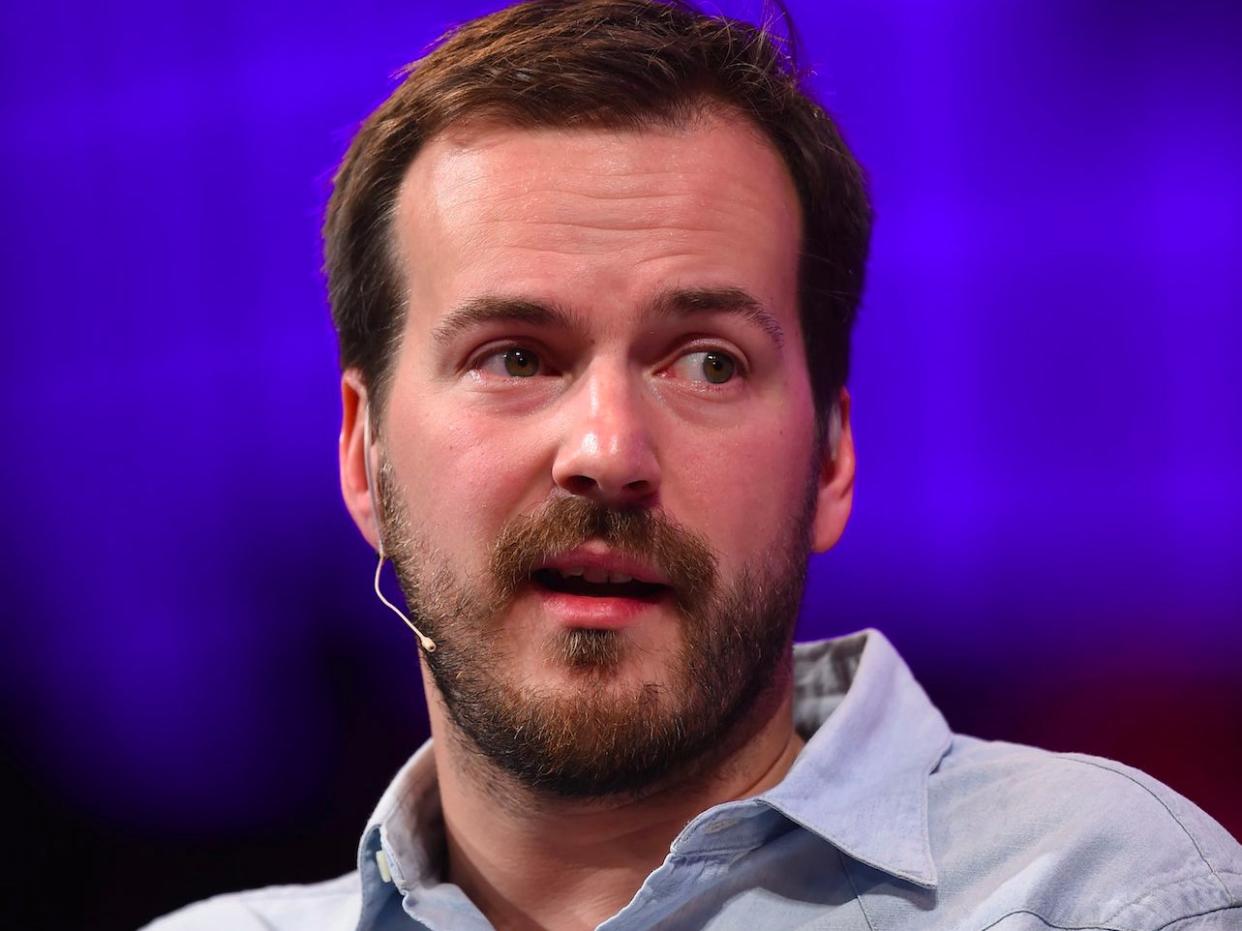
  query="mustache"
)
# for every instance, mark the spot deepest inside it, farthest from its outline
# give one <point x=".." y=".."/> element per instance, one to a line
<point x="564" y="524"/>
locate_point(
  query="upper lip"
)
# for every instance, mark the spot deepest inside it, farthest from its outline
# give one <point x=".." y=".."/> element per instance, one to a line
<point x="610" y="561"/>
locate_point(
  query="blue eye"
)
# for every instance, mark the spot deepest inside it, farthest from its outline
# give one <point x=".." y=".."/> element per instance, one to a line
<point x="713" y="366"/>
<point x="514" y="362"/>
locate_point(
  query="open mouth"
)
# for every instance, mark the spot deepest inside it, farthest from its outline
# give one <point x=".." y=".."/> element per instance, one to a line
<point x="575" y="583"/>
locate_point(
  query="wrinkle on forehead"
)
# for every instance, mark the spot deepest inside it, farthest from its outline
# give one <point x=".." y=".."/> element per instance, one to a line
<point x="708" y="202"/>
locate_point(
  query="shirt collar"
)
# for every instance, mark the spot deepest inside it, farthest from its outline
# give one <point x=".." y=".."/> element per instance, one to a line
<point x="861" y="781"/>
<point x="408" y="826"/>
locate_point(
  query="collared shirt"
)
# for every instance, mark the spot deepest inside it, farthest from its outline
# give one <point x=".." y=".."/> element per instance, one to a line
<point x="886" y="821"/>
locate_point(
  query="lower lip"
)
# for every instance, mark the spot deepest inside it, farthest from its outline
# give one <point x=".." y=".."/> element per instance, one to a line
<point x="597" y="613"/>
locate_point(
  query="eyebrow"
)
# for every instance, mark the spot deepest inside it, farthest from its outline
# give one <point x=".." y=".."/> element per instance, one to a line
<point x="491" y="308"/>
<point x="674" y="304"/>
<point x="679" y="303"/>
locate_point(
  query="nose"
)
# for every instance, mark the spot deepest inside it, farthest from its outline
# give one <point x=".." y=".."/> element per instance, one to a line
<point x="606" y="451"/>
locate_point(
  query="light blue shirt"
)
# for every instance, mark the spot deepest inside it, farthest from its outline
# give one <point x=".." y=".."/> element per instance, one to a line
<point x="887" y="821"/>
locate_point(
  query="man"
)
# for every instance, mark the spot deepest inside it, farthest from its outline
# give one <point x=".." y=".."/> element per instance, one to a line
<point x="594" y="267"/>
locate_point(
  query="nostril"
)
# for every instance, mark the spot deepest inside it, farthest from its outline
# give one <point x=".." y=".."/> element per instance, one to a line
<point x="580" y="484"/>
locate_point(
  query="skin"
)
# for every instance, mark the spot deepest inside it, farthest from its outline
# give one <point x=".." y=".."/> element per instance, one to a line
<point x="599" y="223"/>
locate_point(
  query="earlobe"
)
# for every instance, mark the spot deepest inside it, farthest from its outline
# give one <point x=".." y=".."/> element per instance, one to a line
<point x="354" y="450"/>
<point x="835" y="495"/>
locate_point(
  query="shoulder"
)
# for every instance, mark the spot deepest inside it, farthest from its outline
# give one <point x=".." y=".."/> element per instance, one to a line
<point x="1087" y="841"/>
<point x="325" y="906"/>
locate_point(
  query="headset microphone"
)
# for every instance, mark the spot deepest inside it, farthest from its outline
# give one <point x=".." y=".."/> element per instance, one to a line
<point x="834" y="429"/>
<point x="427" y="643"/>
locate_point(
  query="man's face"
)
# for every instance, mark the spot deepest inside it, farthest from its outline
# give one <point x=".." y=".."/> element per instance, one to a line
<point x="598" y="459"/>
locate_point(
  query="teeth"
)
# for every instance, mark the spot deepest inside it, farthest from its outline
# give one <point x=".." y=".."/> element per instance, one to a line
<point x="596" y="576"/>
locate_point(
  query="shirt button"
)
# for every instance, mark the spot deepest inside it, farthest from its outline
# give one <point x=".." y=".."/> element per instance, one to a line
<point x="720" y="824"/>
<point x="381" y="860"/>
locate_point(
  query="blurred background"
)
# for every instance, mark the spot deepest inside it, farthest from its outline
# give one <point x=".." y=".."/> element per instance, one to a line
<point x="198" y="692"/>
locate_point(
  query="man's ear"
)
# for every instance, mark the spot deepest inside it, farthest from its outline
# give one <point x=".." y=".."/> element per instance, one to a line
<point x="836" y="483"/>
<point x="353" y="452"/>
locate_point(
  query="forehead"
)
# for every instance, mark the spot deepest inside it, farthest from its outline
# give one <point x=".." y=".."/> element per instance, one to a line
<point x="608" y="214"/>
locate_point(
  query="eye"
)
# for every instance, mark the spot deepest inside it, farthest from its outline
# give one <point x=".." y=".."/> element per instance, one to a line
<point x="713" y="366"/>
<point x="514" y="362"/>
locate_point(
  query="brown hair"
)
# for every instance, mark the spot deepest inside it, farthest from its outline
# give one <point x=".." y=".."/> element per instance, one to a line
<point x="598" y="63"/>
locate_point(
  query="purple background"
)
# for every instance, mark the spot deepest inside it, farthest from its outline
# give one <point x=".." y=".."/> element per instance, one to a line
<point x="197" y="690"/>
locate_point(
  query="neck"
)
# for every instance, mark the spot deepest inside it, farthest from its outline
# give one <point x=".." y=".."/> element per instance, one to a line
<point x="528" y="861"/>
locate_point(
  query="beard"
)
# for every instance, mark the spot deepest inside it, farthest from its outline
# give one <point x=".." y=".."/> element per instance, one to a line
<point x="603" y="738"/>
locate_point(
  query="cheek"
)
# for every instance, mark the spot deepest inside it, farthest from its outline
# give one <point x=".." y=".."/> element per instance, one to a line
<point x="744" y="489"/>
<point x="464" y="476"/>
